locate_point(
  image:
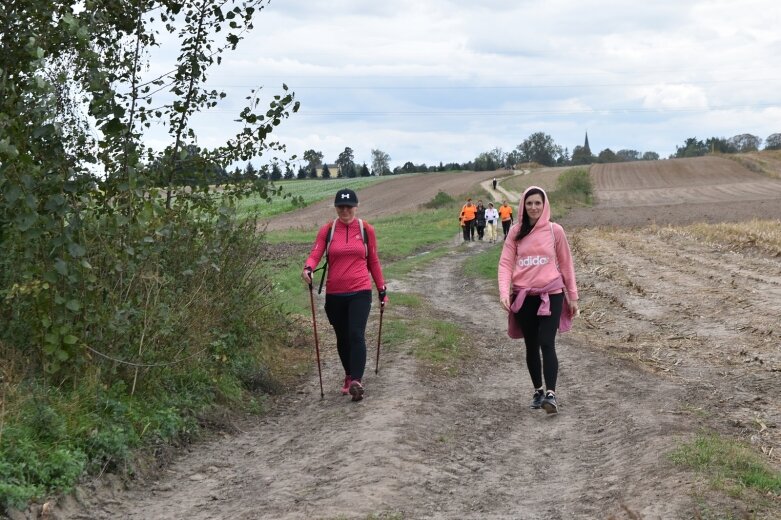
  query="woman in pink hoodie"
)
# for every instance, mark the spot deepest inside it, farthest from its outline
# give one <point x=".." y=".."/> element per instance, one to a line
<point x="537" y="288"/>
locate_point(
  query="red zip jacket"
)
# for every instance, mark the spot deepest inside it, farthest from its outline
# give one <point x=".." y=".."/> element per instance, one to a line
<point x="348" y="267"/>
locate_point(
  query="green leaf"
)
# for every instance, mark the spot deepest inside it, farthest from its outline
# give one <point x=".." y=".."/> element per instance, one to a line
<point x="73" y="305"/>
<point x="112" y="127"/>
<point x="26" y="221"/>
<point x="6" y="148"/>
<point x="76" y="250"/>
<point x="12" y="194"/>
<point x="70" y="339"/>
<point x="61" y="267"/>
<point x="54" y="202"/>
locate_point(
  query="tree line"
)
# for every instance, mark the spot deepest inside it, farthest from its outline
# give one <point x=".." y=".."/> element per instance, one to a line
<point x="539" y="148"/>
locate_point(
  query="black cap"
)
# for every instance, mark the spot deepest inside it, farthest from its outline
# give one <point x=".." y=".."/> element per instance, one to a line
<point x="345" y="197"/>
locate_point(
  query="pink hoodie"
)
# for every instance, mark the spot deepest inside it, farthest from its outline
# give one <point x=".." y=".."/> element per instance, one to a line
<point x="540" y="263"/>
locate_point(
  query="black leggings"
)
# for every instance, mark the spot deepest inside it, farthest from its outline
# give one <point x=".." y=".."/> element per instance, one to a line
<point x="506" y="226"/>
<point x="539" y="334"/>
<point x="348" y="315"/>
<point x="468" y="231"/>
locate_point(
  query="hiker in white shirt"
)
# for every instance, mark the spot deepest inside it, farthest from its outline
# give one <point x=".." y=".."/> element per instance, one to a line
<point x="491" y="221"/>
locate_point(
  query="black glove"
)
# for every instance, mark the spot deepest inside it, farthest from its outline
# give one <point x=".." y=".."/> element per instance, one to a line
<point x="383" y="295"/>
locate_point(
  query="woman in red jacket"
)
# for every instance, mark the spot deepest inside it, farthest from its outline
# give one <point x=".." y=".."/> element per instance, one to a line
<point x="350" y="246"/>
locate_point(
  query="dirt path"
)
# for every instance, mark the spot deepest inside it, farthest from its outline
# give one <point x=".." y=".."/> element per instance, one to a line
<point x="500" y="193"/>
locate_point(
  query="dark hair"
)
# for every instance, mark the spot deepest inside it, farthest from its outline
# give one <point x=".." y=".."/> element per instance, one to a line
<point x="526" y="226"/>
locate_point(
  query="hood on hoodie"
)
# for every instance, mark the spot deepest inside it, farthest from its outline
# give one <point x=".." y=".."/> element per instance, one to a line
<point x="545" y="217"/>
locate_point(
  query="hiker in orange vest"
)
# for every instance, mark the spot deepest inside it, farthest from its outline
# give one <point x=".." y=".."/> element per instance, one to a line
<point x="467" y="219"/>
<point x="506" y="216"/>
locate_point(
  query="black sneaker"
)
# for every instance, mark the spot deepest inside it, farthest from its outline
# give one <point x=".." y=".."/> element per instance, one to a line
<point x="537" y="400"/>
<point x="549" y="403"/>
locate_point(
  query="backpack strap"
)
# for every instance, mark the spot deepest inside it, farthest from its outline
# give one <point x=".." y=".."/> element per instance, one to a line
<point x="555" y="254"/>
<point x="365" y="240"/>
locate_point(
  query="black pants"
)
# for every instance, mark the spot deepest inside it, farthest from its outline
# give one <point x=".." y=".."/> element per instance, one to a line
<point x="481" y="231"/>
<point x="348" y="315"/>
<point x="539" y="334"/>
<point x="468" y="229"/>
<point x="506" y="226"/>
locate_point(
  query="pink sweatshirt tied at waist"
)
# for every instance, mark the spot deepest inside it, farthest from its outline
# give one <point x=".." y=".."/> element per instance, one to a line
<point x="565" y="321"/>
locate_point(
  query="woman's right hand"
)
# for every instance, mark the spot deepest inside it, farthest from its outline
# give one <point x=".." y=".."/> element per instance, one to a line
<point x="306" y="275"/>
<point x="505" y="303"/>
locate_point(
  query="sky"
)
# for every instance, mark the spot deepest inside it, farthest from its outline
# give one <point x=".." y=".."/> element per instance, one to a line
<point x="433" y="81"/>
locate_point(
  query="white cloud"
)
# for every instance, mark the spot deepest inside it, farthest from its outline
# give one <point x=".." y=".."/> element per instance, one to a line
<point x="675" y="97"/>
<point x="448" y="79"/>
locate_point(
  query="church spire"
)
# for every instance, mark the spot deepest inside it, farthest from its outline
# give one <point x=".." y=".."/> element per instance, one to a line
<point x="586" y="147"/>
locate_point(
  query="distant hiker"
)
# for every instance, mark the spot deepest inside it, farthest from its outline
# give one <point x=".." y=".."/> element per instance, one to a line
<point x="467" y="219"/>
<point x="350" y="246"/>
<point x="491" y="219"/>
<point x="506" y="215"/>
<point x="494" y="181"/>
<point x="480" y="220"/>
<point x="537" y="288"/>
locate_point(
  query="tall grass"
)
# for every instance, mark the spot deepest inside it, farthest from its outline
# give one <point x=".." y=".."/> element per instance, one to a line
<point x="573" y="189"/>
<point x="199" y="352"/>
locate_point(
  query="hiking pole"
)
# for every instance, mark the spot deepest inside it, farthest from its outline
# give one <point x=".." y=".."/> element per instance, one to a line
<point x="317" y="344"/>
<point x="379" y="336"/>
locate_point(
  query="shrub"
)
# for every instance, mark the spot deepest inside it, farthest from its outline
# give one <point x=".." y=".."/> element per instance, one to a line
<point x="440" y="200"/>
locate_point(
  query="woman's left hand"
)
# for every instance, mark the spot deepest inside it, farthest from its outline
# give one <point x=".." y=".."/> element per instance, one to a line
<point x="573" y="307"/>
